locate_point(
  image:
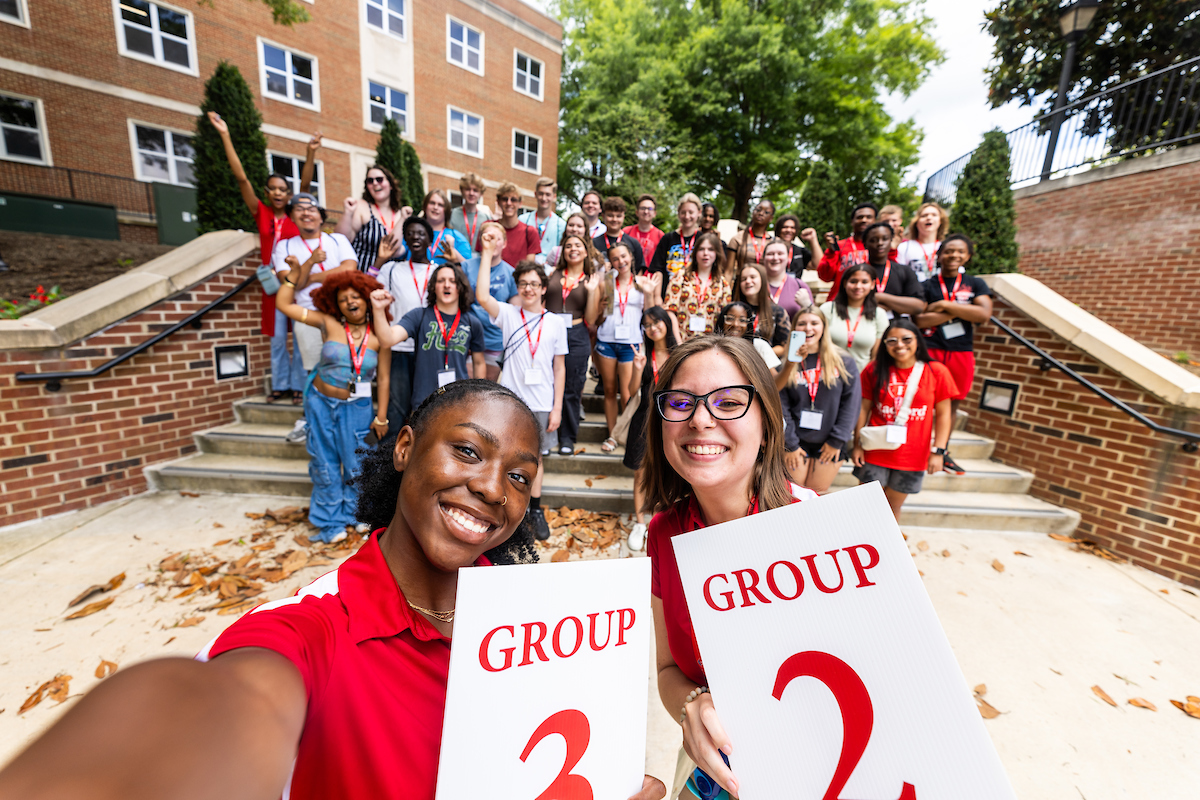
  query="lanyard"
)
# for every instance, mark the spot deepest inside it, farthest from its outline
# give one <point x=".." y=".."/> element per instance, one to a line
<point x="775" y="295"/>
<point x="541" y="229"/>
<point x="930" y="258"/>
<point x="812" y="377"/>
<point x="900" y="383"/>
<point x="623" y="301"/>
<point x="703" y="297"/>
<point x="278" y="223"/>
<point x="688" y="245"/>
<point x="758" y="252"/>
<point x="643" y="242"/>
<point x="433" y="248"/>
<point x="424" y="285"/>
<point x="310" y="249"/>
<point x="387" y="226"/>
<point x="851" y="331"/>
<point x="533" y="346"/>
<point x="470" y="226"/>
<point x="448" y="335"/>
<point x="654" y="366"/>
<point x="953" y="296"/>
<point x="568" y="287"/>
<point x="607" y="244"/>
<point x="356" y="358"/>
<point x="887" y="273"/>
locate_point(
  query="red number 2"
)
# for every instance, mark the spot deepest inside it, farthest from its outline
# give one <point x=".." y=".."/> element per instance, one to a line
<point x="573" y="726"/>
<point x="858" y="716"/>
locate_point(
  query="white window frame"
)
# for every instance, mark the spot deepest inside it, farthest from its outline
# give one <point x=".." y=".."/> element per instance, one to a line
<point x="290" y="51"/>
<point x="23" y="19"/>
<point x="540" y="153"/>
<point x="540" y="96"/>
<point x="370" y="124"/>
<point x="383" y="6"/>
<point x="299" y="167"/>
<point x="449" y="130"/>
<point x="482" y="45"/>
<point x="137" y="160"/>
<point x="43" y="136"/>
<point x="192" y="69"/>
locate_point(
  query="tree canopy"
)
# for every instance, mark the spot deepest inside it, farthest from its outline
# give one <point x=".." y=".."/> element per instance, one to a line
<point x="738" y="97"/>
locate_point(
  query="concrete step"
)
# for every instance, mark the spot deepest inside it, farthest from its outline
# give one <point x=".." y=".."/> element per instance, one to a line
<point x="608" y="494"/>
<point x="233" y="474"/>
<point x="588" y="464"/>
<point x="982" y="476"/>
<point x="256" y="409"/>
<point x="986" y="511"/>
<point x="250" y="439"/>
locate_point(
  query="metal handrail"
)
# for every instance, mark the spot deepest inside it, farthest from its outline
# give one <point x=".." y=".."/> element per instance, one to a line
<point x="53" y="380"/>
<point x="1192" y="440"/>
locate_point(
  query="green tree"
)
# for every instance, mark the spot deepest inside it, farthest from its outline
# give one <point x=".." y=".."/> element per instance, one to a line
<point x="401" y="160"/>
<point x="824" y="200"/>
<point x="283" y="12"/>
<point x="984" y="209"/>
<point x="218" y="200"/>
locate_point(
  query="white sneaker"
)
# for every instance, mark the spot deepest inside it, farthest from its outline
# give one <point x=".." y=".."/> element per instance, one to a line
<point x="340" y="536"/>
<point x="637" y="537"/>
<point x="362" y="528"/>
<point x="299" y="432"/>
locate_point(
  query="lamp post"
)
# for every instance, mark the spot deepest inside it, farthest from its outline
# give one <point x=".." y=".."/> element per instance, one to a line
<point x="1074" y="20"/>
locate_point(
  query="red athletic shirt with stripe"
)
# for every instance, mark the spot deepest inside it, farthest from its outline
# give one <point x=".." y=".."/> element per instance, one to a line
<point x="264" y="220"/>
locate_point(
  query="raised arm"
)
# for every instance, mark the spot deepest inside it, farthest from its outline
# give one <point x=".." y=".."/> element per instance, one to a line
<point x="285" y="298"/>
<point x="249" y="196"/>
<point x="483" y="281"/>
<point x="388" y="335"/>
<point x="591" y="311"/>
<point x="310" y="162"/>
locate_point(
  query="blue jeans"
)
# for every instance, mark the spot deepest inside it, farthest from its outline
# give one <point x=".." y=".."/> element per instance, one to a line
<point x="287" y="372"/>
<point x="336" y="428"/>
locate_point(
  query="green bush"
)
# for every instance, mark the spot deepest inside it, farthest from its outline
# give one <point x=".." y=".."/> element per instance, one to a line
<point x="401" y="160"/>
<point x="984" y="208"/>
<point x="219" y="202"/>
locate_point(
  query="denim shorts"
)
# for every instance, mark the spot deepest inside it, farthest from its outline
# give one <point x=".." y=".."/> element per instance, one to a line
<point x="621" y="352"/>
<point x="898" y="480"/>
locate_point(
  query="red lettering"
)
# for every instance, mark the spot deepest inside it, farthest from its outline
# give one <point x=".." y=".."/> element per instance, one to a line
<point x="592" y="631"/>
<point x="752" y="589"/>
<point x="573" y="726"/>
<point x="622" y="626"/>
<point x="708" y="594"/>
<point x="484" y="661"/>
<point x="797" y="576"/>
<point x="534" y="644"/>
<point x="816" y="576"/>
<point x="859" y="568"/>
<point x="556" y="642"/>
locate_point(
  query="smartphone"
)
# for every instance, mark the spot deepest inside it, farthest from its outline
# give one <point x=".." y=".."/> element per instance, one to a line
<point x="371" y="439"/>
<point x="796" y="345"/>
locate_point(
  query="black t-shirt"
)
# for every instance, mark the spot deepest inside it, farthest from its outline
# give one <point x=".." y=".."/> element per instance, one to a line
<point x="970" y="288"/>
<point x="672" y="255"/>
<point x="801" y="258"/>
<point x="900" y="281"/>
<point x="604" y="241"/>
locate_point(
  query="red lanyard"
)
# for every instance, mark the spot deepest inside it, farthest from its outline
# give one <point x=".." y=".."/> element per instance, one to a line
<point x="533" y="346"/>
<point x="758" y="253"/>
<point x="703" y="298"/>
<point x="278" y="223"/>
<point x="447" y="335"/>
<point x="434" y="247"/>
<point x="356" y="358"/>
<point x="424" y="285"/>
<point x="775" y="295"/>
<point x="887" y="273"/>
<point x="851" y="331"/>
<point x="310" y="249"/>
<point x="812" y="377"/>
<point x="687" y="246"/>
<point x="387" y="226"/>
<point x="623" y="301"/>
<point x="654" y="366"/>
<point x="930" y="258"/>
<point x="470" y="226"/>
<point x="953" y="296"/>
<point x="567" y="288"/>
<point x="607" y="244"/>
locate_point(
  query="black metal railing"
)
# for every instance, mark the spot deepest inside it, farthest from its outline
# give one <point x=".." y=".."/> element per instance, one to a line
<point x="1150" y="114"/>
<point x="130" y="196"/>
<point x="1191" y="443"/>
<point x="53" y="380"/>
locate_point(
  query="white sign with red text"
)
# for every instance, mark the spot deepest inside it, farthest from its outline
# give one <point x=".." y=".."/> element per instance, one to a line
<point x="548" y="673"/>
<point x="828" y="667"/>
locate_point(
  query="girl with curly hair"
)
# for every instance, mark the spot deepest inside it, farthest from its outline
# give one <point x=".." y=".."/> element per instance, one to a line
<point x="337" y="399"/>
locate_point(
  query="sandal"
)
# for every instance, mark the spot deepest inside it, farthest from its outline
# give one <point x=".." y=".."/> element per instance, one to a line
<point x="609" y="445"/>
<point x="297" y="397"/>
<point x="277" y="395"/>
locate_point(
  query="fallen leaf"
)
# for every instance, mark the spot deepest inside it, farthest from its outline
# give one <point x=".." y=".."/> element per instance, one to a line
<point x="581" y="450"/>
<point x="1123" y="678"/>
<point x="254" y="515"/>
<point x="1019" y="553"/>
<point x="922" y="574"/>
<point x="105" y="669"/>
<point x="986" y="709"/>
<point x="996" y="565"/>
<point x="588" y="483"/>
<point x="188" y="494"/>
<point x="218" y="525"/>
<point x="168" y="641"/>
<point x="55" y="689"/>
<point x="1062" y="538"/>
<point x="945" y="554"/>
<point x="112" y="583"/>
<point x="981" y="689"/>
<point x="1189" y="708"/>
<point x="190" y="621"/>
<point x="964" y="594"/>
<point x="1052" y="669"/>
<point x="296" y="560"/>
<point x="239" y="608"/>
<point x="1104" y="696"/>
<point x="1142" y="703"/>
<point x="92" y="608"/>
<point x="599" y="477"/>
<point x="922" y="546"/>
<point x="1164" y="591"/>
<point x="222" y="542"/>
<point x="559" y="556"/>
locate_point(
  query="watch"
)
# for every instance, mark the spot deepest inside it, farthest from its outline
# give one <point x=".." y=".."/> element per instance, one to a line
<point x="937" y="451"/>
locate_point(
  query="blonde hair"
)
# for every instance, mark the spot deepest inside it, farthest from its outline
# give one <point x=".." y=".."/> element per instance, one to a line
<point x="689" y="197"/>
<point x="471" y="179"/>
<point x="507" y="189"/>
<point x="943" y="225"/>
<point x="833" y="368"/>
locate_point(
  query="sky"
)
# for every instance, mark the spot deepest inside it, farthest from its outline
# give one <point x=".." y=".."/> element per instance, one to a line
<point x="951" y="105"/>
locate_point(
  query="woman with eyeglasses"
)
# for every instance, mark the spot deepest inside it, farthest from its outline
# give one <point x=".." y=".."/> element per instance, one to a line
<point x="376" y="217"/>
<point x="696" y="294"/>
<point x="897" y="452"/>
<point x="714" y="453"/>
<point x="821" y="397"/>
<point x="856" y="321"/>
<point x="740" y="319"/>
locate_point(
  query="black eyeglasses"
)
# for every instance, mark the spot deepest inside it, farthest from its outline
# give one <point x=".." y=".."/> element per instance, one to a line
<point x="376" y="179"/>
<point x="529" y="285"/>
<point x="726" y="403"/>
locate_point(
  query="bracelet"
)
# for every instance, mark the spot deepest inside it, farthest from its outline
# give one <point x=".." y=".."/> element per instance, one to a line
<point x="699" y="690"/>
<point x="379" y="421"/>
<point x="289" y="283"/>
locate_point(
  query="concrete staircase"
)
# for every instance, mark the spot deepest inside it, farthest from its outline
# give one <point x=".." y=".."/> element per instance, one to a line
<point x="251" y="456"/>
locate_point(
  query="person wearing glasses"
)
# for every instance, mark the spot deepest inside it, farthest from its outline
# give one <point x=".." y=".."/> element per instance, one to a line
<point x="899" y="455"/>
<point x="714" y="453"/>
<point x="740" y="319"/>
<point x="523" y="240"/>
<point x="501" y="286"/>
<point x="644" y="231"/>
<point x="367" y="222"/>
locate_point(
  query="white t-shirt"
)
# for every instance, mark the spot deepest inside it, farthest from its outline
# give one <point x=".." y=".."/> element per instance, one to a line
<point x="921" y="257"/>
<point x="408" y="288"/>
<point x="763" y="348"/>
<point x="630" y="323"/>
<point x="337" y="249"/>
<point x="520" y="364"/>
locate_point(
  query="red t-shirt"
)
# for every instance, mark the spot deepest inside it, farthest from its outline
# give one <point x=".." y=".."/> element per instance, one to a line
<point x="936" y="385"/>
<point x="522" y="242"/>
<point x="375" y="673"/>
<point x="648" y="240"/>
<point x="270" y="231"/>
<point x="850" y="253"/>
<point x="666" y="585"/>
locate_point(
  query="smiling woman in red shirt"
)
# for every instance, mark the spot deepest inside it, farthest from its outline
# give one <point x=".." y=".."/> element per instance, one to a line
<point x="340" y="690"/>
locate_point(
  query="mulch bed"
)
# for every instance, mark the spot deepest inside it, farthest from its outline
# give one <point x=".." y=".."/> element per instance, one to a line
<point x="70" y="262"/>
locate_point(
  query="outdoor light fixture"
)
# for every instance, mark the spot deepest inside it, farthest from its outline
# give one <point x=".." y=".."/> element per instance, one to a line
<point x="999" y="397"/>
<point x="231" y="361"/>
<point x="1074" y="19"/>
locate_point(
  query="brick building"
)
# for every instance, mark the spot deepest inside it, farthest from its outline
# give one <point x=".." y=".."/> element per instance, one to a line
<point x="472" y="83"/>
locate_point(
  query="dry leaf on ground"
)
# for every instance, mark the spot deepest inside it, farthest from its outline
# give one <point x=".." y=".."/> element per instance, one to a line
<point x="188" y="494"/>
<point x="986" y="709"/>
<point x="981" y="689"/>
<point x="113" y="582"/>
<point x="1164" y="591"/>
<point x="588" y="483"/>
<point x="190" y="621"/>
<point x="1060" y="537"/>
<point x="92" y="608"/>
<point x="1141" y="702"/>
<point x="559" y="555"/>
<point x="922" y="546"/>
<point x="55" y="689"/>
<point x="945" y="554"/>
<point x="218" y="525"/>
<point x="996" y="565"/>
<point x="1191" y="707"/>
<point x="222" y="542"/>
<point x="1103" y="695"/>
<point x="599" y="477"/>
<point x="105" y="669"/>
<point x="1020" y="553"/>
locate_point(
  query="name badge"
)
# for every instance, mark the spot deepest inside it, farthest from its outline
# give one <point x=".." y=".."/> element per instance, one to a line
<point x="622" y="332"/>
<point x="952" y="330"/>
<point x="567" y="319"/>
<point x="811" y="420"/>
<point x="360" y="389"/>
<point x="449" y="376"/>
<point x="534" y="377"/>
<point x="697" y="323"/>
<point x="897" y="434"/>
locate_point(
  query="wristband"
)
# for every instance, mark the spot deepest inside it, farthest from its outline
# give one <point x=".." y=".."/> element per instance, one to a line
<point x="289" y="283"/>
<point x="379" y="421"/>
<point x="699" y="690"/>
<point x="937" y="451"/>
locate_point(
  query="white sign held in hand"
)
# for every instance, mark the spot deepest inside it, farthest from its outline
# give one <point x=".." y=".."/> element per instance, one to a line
<point x="548" y="673"/>
<point x="827" y="663"/>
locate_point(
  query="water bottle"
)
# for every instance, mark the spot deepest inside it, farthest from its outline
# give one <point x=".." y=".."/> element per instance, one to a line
<point x="268" y="278"/>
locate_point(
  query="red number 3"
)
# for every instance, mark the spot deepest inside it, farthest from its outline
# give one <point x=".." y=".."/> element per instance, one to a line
<point x="573" y="726"/>
<point x="858" y="716"/>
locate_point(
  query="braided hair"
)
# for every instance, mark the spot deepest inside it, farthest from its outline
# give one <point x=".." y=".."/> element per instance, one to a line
<point x="378" y="481"/>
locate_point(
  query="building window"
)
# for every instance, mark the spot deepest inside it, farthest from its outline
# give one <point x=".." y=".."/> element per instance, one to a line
<point x="386" y="15"/>
<point x="289" y="167"/>
<point x="14" y="11"/>
<point x="465" y="46"/>
<point x="163" y="156"/>
<point x="289" y="76"/>
<point x="155" y="33"/>
<point x="525" y="151"/>
<point x="466" y="133"/>
<point x="387" y="102"/>
<point x="527" y="77"/>
<point x="22" y="135"/>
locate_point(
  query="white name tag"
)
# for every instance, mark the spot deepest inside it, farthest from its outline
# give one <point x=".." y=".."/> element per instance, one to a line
<point x="622" y="332"/>
<point x="811" y="420"/>
<point x="361" y="389"/>
<point x="534" y="377"/>
<point x="697" y="323"/>
<point x="897" y="434"/>
<point x="952" y="330"/>
<point x="448" y="376"/>
<point x="567" y="319"/>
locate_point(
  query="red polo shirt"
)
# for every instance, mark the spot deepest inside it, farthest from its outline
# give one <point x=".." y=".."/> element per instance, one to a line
<point x="375" y="674"/>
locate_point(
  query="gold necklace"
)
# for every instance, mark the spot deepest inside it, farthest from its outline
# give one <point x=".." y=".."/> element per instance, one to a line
<point x="440" y="616"/>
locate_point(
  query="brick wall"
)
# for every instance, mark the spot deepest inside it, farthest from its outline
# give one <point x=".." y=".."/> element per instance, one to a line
<point x="1126" y="249"/>
<point x="88" y="443"/>
<point x="1138" y="492"/>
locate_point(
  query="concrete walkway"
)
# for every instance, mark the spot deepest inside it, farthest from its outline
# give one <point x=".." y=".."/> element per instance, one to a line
<point x="1039" y="634"/>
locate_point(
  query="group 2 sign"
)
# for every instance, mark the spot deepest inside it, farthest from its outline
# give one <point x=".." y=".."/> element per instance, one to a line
<point x="548" y="682"/>
<point x="827" y="664"/>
